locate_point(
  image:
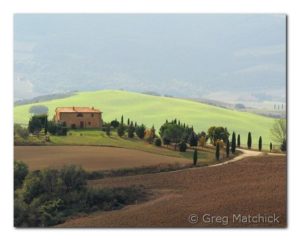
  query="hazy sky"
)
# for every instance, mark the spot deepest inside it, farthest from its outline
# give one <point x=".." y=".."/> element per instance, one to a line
<point x="199" y="55"/>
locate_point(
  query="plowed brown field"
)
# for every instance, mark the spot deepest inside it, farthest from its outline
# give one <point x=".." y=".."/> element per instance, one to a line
<point x="252" y="186"/>
<point x="91" y="158"/>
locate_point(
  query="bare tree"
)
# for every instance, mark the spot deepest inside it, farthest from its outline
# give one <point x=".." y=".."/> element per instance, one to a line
<point x="278" y="131"/>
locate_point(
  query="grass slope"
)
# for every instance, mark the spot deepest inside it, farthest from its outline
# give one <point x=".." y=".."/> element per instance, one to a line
<point x="154" y="110"/>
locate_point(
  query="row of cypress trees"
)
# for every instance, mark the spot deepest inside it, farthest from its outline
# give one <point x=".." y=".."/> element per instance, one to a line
<point x="237" y="143"/>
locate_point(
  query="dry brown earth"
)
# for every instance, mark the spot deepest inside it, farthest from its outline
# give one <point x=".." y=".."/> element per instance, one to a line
<point x="252" y="186"/>
<point x="91" y="158"/>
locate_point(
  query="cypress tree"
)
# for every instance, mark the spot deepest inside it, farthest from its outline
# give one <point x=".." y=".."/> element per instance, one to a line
<point x="140" y="131"/>
<point x="239" y="140"/>
<point x="121" y="130"/>
<point x="249" y="141"/>
<point x="218" y="151"/>
<point x="122" y="120"/>
<point x="193" y="139"/>
<point x="130" y="131"/>
<point x="128" y="121"/>
<point x="271" y="146"/>
<point x="260" y="143"/>
<point x="227" y="148"/>
<point x="233" y="143"/>
<point x="195" y="157"/>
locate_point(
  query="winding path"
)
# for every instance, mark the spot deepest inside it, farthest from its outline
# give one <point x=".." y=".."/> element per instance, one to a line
<point x="245" y="153"/>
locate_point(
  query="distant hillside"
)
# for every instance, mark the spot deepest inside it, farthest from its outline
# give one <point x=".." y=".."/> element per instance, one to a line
<point x="154" y="110"/>
<point x="44" y="98"/>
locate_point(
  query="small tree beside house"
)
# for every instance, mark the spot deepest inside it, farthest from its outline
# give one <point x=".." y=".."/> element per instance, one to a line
<point x="37" y="123"/>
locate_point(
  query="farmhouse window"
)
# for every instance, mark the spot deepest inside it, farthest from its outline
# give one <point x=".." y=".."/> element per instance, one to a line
<point x="89" y="123"/>
<point x="92" y="114"/>
<point x="79" y="115"/>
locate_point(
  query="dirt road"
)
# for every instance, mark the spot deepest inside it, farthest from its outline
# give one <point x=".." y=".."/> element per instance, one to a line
<point x="245" y="153"/>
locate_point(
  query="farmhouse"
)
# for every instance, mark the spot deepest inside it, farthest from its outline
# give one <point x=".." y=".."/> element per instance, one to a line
<point x="79" y="117"/>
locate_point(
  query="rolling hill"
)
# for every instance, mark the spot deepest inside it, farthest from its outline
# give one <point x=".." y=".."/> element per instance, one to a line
<point x="154" y="110"/>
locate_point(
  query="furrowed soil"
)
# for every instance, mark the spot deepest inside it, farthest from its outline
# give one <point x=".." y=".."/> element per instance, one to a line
<point x="252" y="186"/>
<point x="90" y="158"/>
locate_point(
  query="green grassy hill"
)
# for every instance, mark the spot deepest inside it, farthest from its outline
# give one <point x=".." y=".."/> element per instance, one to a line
<point x="154" y="110"/>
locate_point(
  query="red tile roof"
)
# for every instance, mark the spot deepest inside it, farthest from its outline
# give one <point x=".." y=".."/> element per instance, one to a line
<point x="76" y="109"/>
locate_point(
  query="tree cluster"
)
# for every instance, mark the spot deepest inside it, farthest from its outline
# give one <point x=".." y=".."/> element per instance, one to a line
<point x="48" y="197"/>
<point x="176" y="132"/>
<point x="217" y="133"/>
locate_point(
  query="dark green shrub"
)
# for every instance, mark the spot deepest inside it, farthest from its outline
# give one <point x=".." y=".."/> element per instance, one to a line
<point x="193" y="139"/>
<point x="57" y="129"/>
<point x="21" y="131"/>
<point x="182" y="147"/>
<point x="37" y="123"/>
<point x="157" y="142"/>
<point x="73" y="178"/>
<point x="34" y="125"/>
<point x="121" y="130"/>
<point x="50" y="212"/>
<point x="114" y="123"/>
<point x="166" y="141"/>
<point x="131" y="131"/>
<point x="33" y="186"/>
<point x="49" y="196"/>
<point x="140" y="131"/>
<point x="20" y="172"/>
<point x="283" y="146"/>
<point x="52" y="127"/>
